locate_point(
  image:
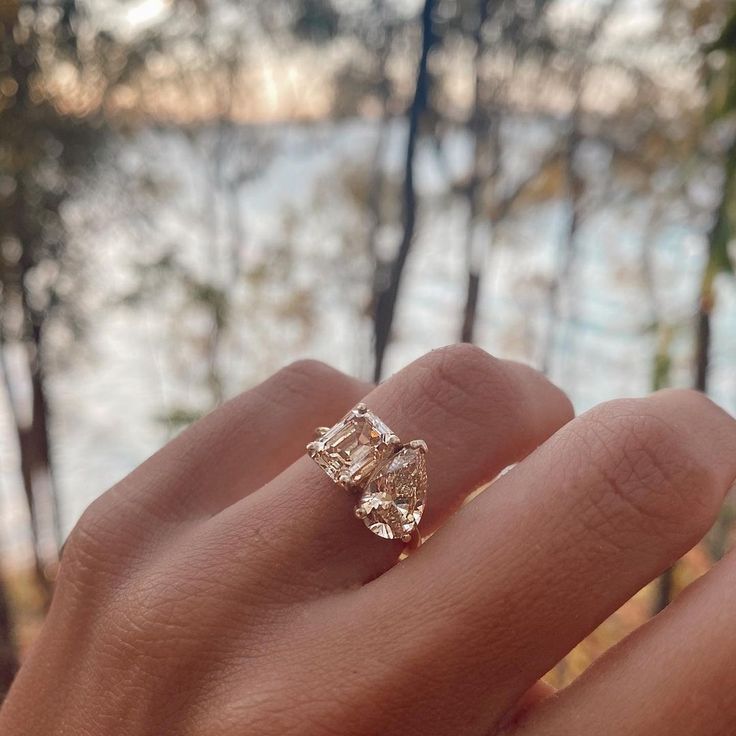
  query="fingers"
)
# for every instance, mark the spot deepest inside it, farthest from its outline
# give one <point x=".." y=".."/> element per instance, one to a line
<point x="240" y="446"/>
<point x="529" y="568"/>
<point x="673" y="677"/>
<point x="476" y="413"/>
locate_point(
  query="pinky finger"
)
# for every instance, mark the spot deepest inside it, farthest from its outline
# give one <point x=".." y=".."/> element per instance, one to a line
<point x="673" y="677"/>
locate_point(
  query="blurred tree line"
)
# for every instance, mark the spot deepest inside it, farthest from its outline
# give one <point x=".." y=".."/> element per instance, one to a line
<point x="68" y="83"/>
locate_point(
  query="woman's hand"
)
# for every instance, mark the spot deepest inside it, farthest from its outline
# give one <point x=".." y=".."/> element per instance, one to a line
<point x="225" y="587"/>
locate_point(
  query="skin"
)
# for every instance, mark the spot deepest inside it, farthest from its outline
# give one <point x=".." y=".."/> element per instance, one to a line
<point x="225" y="587"/>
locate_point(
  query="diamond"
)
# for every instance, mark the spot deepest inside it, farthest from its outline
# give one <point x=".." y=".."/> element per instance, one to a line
<point x="393" y="502"/>
<point x="350" y="451"/>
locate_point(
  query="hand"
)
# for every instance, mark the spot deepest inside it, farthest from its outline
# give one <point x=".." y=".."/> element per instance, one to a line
<point x="225" y="587"/>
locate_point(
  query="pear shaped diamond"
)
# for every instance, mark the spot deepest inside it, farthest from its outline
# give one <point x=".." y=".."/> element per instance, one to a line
<point x="393" y="502"/>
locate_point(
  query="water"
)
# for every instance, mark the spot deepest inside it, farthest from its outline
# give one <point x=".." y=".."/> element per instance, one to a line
<point x="263" y="215"/>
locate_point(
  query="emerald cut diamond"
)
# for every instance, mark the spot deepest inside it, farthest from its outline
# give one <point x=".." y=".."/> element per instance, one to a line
<point x="351" y="450"/>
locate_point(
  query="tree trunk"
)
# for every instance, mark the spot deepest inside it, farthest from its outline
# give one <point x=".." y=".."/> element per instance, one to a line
<point x="470" y="312"/>
<point x="374" y="205"/>
<point x="35" y="467"/>
<point x="574" y="186"/>
<point x="706" y="302"/>
<point x="716" y="260"/>
<point x="568" y="247"/>
<point x="473" y="190"/>
<point x="8" y="660"/>
<point x="388" y="292"/>
<point x="31" y="420"/>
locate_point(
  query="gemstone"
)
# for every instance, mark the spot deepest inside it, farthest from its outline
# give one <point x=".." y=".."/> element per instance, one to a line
<point x="350" y="451"/>
<point x="393" y="502"/>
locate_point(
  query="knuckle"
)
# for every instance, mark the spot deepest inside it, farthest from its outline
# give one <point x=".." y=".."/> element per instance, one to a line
<point x="460" y="380"/>
<point x="307" y="377"/>
<point x="462" y="357"/>
<point x="90" y="552"/>
<point x="90" y="531"/>
<point x="649" y="466"/>
<point x="686" y="396"/>
<point x="307" y="370"/>
<point x="685" y="402"/>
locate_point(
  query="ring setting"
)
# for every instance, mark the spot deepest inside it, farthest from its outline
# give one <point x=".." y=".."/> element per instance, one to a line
<point x="362" y="455"/>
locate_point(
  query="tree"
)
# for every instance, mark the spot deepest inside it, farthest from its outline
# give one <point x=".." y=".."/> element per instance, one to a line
<point x="721" y="84"/>
<point x="8" y="660"/>
<point x="39" y="275"/>
<point x="41" y="151"/>
<point x="388" y="285"/>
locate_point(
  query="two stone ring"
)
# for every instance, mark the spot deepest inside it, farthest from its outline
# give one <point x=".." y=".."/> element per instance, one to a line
<point x="363" y="456"/>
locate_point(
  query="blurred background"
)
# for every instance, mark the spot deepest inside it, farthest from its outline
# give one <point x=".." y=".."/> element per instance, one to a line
<point x="195" y="192"/>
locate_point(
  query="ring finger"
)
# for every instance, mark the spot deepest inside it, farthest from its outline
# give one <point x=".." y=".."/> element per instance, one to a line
<point x="477" y="415"/>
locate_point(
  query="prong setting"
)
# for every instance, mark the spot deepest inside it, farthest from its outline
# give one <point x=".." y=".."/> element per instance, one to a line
<point x="364" y="457"/>
<point x="350" y="450"/>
